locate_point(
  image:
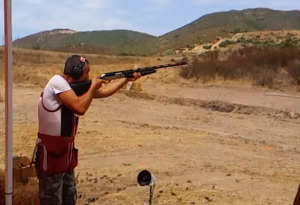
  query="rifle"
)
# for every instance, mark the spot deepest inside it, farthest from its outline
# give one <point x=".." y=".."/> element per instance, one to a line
<point x="81" y="87"/>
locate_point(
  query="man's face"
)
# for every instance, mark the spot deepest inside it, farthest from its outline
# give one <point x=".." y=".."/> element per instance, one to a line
<point x="86" y="71"/>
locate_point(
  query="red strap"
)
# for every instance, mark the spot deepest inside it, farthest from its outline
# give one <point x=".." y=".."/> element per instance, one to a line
<point x="45" y="107"/>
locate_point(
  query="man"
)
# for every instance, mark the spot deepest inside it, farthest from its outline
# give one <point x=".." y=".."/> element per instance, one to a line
<point x="55" y="155"/>
<point x="297" y="197"/>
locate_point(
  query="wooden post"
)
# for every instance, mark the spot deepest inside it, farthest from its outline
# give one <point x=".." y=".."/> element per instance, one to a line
<point x="8" y="103"/>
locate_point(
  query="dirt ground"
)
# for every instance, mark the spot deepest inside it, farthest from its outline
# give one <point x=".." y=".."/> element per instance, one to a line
<point x="216" y="145"/>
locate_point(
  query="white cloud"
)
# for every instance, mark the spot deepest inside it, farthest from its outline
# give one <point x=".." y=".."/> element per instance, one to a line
<point x="32" y="1"/>
<point x="151" y="16"/>
<point x="160" y="2"/>
<point x="92" y="4"/>
<point x="80" y="15"/>
<point x="156" y="5"/>
<point x="222" y="5"/>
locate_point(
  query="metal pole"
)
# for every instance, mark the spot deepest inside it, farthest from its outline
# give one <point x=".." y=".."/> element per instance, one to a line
<point x="8" y="103"/>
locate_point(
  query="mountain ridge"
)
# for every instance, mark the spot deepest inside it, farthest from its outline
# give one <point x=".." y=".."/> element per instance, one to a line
<point x="205" y="29"/>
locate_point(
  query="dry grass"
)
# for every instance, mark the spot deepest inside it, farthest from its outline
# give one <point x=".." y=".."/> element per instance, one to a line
<point x="23" y="194"/>
<point x="33" y="67"/>
<point x="271" y="68"/>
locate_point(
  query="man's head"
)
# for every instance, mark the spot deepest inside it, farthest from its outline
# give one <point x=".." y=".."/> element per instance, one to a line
<point x="77" y="67"/>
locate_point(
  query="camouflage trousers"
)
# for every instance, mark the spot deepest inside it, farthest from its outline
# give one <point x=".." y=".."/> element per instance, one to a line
<point x="58" y="189"/>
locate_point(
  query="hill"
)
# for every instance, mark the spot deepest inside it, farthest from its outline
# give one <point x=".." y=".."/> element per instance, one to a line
<point x="206" y="29"/>
<point x="120" y="42"/>
<point x="210" y="27"/>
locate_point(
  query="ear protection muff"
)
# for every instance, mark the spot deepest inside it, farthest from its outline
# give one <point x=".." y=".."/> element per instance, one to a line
<point x="78" y="69"/>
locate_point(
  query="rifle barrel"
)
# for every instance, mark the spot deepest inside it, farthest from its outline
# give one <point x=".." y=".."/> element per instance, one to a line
<point x="143" y="71"/>
<point x="163" y="66"/>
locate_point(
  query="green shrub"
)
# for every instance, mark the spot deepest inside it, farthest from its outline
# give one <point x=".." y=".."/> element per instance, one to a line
<point x="225" y="43"/>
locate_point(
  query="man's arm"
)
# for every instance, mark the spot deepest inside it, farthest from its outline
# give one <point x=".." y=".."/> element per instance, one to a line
<point x="80" y="104"/>
<point x="115" y="85"/>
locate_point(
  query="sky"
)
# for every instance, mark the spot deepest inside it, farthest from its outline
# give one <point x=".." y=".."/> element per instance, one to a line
<point x="154" y="17"/>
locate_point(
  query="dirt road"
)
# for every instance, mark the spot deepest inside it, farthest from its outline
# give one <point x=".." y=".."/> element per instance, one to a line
<point x="205" y="145"/>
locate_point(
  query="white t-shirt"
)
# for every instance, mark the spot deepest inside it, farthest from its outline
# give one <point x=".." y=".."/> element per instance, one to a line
<point x="49" y="112"/>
